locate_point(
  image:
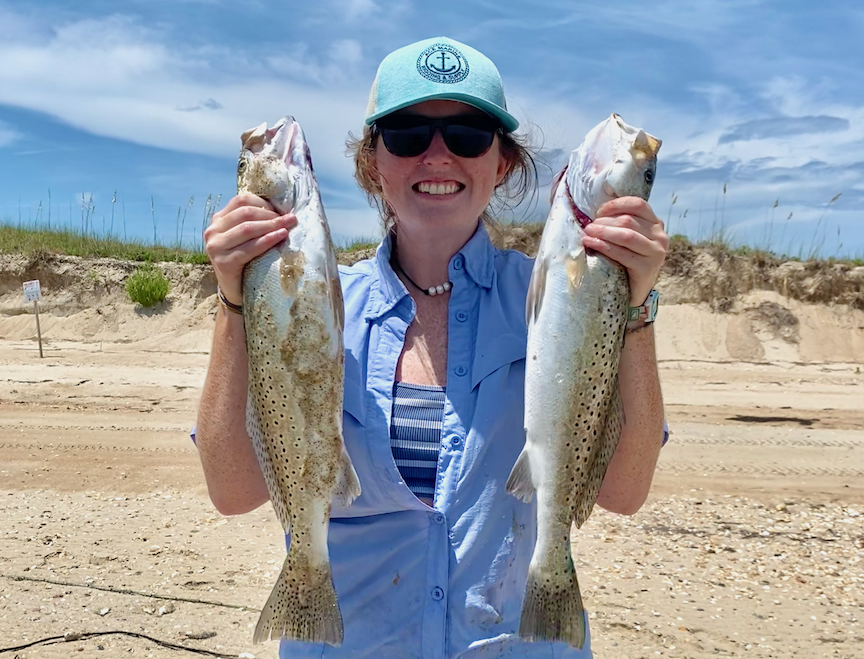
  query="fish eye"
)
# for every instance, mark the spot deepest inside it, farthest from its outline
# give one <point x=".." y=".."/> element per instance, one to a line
<point x="649" y="177"/>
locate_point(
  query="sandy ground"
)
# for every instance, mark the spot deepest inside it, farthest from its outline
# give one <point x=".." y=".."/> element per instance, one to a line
<point x="750" y="545"/>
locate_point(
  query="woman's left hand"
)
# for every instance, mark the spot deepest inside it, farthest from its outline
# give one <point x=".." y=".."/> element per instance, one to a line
<point x="627" y="231"/>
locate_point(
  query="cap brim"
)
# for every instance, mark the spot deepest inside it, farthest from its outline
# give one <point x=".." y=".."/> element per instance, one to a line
<point x="507" y="120"/>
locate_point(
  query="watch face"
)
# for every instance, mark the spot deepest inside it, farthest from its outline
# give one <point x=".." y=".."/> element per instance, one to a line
<point x="652" y="304"/>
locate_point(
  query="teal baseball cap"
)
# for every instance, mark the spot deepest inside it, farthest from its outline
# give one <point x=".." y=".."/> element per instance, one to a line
<point x="438" y="68"/>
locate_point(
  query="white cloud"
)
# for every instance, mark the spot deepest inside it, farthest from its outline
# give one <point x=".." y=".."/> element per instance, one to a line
<point x="114" y="78"/>
<point x="357" y="9"/>
<point x="8" y="134"/>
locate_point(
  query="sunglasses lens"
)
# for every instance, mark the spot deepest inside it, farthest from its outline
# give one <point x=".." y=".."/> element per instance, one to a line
<point x="407" y="136"/>
<point x="468" y="141"/>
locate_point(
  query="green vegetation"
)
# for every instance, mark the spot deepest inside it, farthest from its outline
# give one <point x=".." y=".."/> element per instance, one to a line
<point x="28" y="241"/>
<point x="147" y="285"/>
<point x="678" y="242"/>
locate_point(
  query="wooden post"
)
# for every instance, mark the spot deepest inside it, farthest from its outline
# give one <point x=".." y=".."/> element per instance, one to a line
<point x="38" y="330"/>
<point x="33" y="293"/>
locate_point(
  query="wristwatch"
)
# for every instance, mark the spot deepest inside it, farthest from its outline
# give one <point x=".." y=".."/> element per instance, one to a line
<point x="645" y="313"/>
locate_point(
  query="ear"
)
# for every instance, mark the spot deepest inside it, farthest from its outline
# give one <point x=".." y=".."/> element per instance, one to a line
<point x="504" y="168"/>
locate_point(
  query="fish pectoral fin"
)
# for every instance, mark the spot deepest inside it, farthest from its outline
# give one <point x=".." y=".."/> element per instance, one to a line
<point x="576" y="265"/>
<point x="347" y="483"/>
<point x="520" y="484"/>
<point x="536" y="288"/>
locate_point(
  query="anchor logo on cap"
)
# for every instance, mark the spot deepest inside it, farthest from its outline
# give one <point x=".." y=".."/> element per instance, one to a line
<point x="443" y="63"/>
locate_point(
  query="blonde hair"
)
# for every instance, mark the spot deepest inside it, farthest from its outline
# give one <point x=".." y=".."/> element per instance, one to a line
<point x="518" y="185"/>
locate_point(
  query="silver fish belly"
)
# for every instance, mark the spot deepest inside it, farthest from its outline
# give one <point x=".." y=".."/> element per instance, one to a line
<point x="293" y="315"/>
<point x="576" y="312"/>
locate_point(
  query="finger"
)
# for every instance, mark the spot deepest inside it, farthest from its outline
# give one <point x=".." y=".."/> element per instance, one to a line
<point x="231" y="263"/>
<point x="232" y="238"/>
<point x="241" y="255"/>
<point x="622" y="221"/>
<point x="630" y="239"/>
<point x="245" y="199"/>
<point x="628" y="206"/>
<point x="238" y="216"/>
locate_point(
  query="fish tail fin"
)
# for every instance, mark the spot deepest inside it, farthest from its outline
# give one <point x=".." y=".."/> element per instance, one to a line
<point x="519" y="484"/>
<point x="302" y="606"/>
<point x="347" y="482"/>
<point x="552" y="609"/>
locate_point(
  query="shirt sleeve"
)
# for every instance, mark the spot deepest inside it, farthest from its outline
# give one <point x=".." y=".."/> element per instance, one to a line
<point x="195" y="429"/>
<point x="665" y="433"/>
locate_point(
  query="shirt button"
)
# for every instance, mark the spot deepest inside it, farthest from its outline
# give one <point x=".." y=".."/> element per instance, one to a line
<point x="437" y="594"/>
<point x="456" y="441"/>
<point x="460" y="370"/>
<point x="439" y="518"/>
<point x="459" y="262"/>
<point x="461" y="316"/>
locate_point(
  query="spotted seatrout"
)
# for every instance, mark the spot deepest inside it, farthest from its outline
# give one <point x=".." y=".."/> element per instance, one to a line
<point x="576" y="311"/>
<point x="293" y="314"/>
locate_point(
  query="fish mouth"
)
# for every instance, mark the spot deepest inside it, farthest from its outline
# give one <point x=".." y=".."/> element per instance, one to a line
<point x="438" y="188"/>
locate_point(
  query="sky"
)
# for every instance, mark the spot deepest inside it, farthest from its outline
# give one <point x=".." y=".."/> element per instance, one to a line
<point x="759" y="104"/>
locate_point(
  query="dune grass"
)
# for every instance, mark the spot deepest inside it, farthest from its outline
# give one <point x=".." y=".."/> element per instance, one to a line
<point x="29" y="241"/>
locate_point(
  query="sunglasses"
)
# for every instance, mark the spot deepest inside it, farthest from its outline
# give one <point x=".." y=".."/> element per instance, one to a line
<point x="466" y="135"/>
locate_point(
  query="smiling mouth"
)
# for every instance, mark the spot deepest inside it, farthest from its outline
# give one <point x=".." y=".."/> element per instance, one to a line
<point x="438" y="188"/>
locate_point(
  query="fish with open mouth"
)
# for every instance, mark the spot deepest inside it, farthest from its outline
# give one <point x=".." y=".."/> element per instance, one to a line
<point x="294" y="316"/>
<point x="576" y="310"/>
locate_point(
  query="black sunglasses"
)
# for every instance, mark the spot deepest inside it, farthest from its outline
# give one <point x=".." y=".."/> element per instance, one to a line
<point x="466" y="135"/>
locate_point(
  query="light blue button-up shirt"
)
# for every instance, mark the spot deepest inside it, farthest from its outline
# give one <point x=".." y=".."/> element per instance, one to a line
<point x="414" y="581"/>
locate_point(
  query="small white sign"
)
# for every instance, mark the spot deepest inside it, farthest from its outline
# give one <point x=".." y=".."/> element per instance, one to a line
<point x="32" y="292"/>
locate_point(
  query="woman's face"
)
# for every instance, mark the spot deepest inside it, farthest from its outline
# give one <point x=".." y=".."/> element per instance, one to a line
<point x="437" y="188"/>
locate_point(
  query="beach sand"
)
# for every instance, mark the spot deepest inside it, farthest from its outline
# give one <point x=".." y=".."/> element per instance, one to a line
<point x="750" y="545"/>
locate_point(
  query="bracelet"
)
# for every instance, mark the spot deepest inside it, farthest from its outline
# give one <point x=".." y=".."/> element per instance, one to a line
<point x="230" y="306"/>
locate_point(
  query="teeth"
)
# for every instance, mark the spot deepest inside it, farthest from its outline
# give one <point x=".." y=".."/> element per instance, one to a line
<point x="438" y="188"/>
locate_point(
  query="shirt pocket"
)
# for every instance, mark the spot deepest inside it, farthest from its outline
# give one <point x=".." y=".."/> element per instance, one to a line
<point x="491" y="355"/>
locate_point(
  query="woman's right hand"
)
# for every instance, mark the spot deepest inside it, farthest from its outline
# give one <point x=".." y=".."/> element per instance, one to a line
<point x="247" y="227"/>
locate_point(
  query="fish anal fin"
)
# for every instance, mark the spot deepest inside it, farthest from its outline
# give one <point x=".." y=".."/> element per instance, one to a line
<point x="347" y="482"/>
<point x="520" y="484"/>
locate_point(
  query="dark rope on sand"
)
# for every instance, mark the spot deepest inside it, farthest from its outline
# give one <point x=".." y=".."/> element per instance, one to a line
<point x="125" y="591"/>
<point x="73" y="636"/>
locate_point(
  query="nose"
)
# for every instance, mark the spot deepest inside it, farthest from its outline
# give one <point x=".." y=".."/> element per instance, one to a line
<point x="437" y="151"/>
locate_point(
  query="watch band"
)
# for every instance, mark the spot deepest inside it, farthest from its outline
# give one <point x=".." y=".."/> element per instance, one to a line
<point x="645" y="313"/>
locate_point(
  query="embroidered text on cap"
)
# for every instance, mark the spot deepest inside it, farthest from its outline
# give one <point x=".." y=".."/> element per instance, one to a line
<point x="442" y="63"/>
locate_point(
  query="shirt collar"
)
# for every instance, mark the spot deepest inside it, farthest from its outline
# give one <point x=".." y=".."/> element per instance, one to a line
<point x="478" y="255"/>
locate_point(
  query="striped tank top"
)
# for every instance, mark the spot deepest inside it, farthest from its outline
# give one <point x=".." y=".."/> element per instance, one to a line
<point x="415" y="435"/>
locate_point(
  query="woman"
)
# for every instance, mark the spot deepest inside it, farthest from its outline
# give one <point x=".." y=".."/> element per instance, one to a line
<point x="431" y="559"/>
